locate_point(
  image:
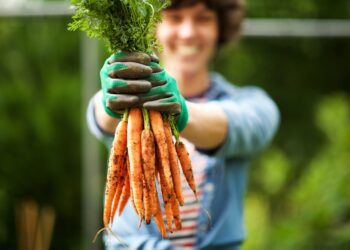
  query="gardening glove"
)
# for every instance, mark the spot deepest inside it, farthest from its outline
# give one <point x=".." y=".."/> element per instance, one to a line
<point x="122" y="80"/>
<point x="165" y="96"/>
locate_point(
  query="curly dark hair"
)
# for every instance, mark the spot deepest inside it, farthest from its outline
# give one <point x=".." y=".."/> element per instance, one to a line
<point x="230" y="16"/>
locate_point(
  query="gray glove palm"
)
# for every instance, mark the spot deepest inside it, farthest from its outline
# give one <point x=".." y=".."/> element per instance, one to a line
<point x="122" y="80"/>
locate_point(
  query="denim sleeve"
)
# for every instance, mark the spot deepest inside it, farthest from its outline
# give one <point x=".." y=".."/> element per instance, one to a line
<point x="93" y="126"/>
<point x="253" y="119"/>
<point x="128" y="235"/>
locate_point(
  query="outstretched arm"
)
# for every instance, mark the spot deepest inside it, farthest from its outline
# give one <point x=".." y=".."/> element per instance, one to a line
<point x="238" y="126"/>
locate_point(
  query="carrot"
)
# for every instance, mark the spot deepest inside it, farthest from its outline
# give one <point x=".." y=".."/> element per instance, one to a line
<point x="119" y="189"/>
<point x="148" y="164"/>
<point x="183" y="156"/>
<point x="120" y="137"/>
<point x="149" y="159"/>
<point x="130" y="188"/>
<point x="166" y="200"/>
<point x="186" y="165"/>
<point x="114" y="165"/>
<point x="168" y="214"/>
<point x="135" y="126"/>
<point x="117" y="198"/>
<point x="158" y="131"/>
<point x="132" y="198"/>
<point x="125" y="194"/>
<point x="147" y="203"/>
<point x="174" y="165"/>
<point x="111" y="185"/>
<point x="176" y="212"/>
<point x="158" y="219"/>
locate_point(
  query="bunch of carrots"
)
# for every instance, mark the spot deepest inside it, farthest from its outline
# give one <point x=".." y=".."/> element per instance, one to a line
<point x="143" y="151"/>
<point x="146" y="150"/>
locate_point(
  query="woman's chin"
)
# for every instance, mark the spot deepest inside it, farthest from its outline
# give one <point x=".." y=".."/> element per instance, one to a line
<point x="188" y="71"/>
<point x="188" y="68"/>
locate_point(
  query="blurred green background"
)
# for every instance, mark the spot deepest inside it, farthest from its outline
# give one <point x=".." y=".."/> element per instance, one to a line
<point x="298" y="196"/>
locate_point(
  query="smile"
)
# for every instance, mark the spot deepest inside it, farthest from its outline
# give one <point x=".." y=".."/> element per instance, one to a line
<point x="184" y="50"/>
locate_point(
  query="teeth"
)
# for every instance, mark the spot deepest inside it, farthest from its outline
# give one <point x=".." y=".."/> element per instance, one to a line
<point x="187" y="50"/>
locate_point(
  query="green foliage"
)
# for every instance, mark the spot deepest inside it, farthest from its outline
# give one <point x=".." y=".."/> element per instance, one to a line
<point x="257" y="219"/>
<point x="273" y="174"/>
<point x="314" y="213"/>
<point x="291" y="70"/>
<point x="299" y="9"/>
<point x="40" y="126"/>
<point x="127" y="25"/>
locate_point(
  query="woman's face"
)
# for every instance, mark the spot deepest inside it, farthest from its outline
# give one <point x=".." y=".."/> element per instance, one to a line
<point x="188" y="36"/>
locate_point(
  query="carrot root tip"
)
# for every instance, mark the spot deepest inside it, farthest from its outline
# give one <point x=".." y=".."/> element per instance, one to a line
<point x="98" y="233"/>
<point x="140" y="222"/>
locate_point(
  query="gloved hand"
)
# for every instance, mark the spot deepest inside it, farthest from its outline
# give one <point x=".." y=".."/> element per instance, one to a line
<point x="135" y="80"/>
<point x="165" y="96"/>
<point x="122" y="79"/>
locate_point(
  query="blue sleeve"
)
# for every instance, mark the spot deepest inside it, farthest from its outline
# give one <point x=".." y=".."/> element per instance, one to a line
<point x="93" y="126"/>
<point x="253" y="119"/>
<point x="127" y="234"/>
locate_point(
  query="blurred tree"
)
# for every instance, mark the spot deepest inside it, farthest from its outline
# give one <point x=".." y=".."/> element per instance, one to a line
<point x="40" y="125"/>
<point x="314" y="212"/>
<point x="299" y="9"/>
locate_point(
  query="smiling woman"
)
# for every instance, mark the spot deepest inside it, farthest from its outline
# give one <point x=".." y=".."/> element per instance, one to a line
<point x="189" y="36"/>
<point x="222" y="125"/>
<point x="191" y="32"/>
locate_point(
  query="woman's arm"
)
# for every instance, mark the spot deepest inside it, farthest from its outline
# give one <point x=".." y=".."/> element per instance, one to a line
<point x="210" y="119"/>
<point x="207" y="125"/>
<point x="233" y="127"/>
<point x="204" y="119"/>
<point x="239" y="126"/>
<point x="103" y="120"/>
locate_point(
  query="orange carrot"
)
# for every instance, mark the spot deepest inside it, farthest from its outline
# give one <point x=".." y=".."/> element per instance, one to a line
<point x="132" y="198"/>
<point x="125" y="194"/>
<point x="149" y="159"/>
<point x="166" y="200"/>
<point x="158" y="219"/>
<point x="147" y="203"/>
<point x="174" y="165"/>
<point x="186" y="165"/>
<point x="130" y="188"/>
<point x="119" y="189"/>
<point x="120" y="137"/>
<point x="176" y="212"/>
<point x="114" y="165"/>
<point x="158" y="131"/>
<point x="135" y="126"/>
<point x="111" y="185"/>
<point x="117" y="198"/>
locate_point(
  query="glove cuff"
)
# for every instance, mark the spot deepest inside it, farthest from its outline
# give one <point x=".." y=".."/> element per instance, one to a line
<point x="182" y="119"/>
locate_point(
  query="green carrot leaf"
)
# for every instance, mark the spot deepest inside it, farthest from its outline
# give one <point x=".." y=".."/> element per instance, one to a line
<point x="124" y="25"/>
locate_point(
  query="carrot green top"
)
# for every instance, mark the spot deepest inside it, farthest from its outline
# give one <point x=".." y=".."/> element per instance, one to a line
<point x="127" y="25"/>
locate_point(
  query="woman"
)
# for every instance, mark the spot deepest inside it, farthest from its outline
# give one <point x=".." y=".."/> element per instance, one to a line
<point x="224" y="126"/>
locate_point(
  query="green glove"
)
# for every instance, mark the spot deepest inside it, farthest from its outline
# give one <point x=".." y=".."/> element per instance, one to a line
<point x="165" y="96"/>
<point x="121" y="81"/>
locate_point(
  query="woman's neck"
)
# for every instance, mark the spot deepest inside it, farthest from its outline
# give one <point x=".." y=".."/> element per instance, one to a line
<point x="191" y="84"/>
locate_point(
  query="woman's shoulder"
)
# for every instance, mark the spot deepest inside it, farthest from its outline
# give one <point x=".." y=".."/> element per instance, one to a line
<point x="221" y="87"/>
